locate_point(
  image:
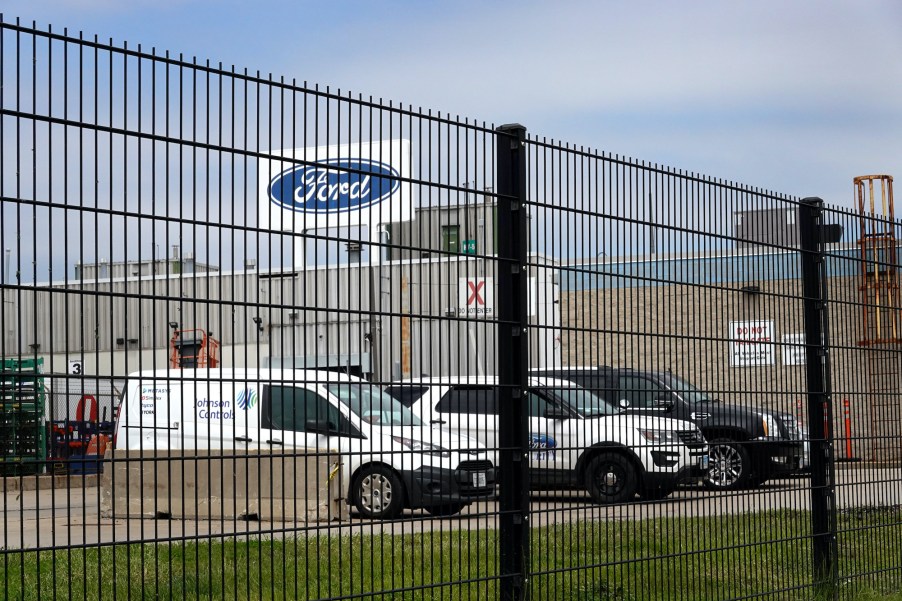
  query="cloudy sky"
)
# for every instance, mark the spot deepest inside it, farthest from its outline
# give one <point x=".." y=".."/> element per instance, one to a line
<point x="794" y="97"/>
<point x="791" y="96"/>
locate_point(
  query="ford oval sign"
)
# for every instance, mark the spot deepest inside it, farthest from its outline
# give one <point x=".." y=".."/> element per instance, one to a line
<point x="334" y="186"/>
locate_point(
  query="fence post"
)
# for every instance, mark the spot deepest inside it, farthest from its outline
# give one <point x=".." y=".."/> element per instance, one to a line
<point x="814" y="292"/>
<point x="513" y="361"/>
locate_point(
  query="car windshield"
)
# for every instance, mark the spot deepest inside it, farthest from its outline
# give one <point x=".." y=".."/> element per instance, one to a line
<point x="582" y="401"/>
<point x="372" y="405"/>
<point x="686" y="390"/>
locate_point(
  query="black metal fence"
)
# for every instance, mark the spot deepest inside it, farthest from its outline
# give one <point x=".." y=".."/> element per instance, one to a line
<point x="266" y="340"/>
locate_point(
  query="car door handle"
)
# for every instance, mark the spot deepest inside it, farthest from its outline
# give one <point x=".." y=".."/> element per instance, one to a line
<point x="243" y="439"/>
<point x="437" y="421"/>
<point x="274" y="441"/>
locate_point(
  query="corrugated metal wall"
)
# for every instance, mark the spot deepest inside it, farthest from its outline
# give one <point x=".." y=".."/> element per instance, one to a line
<point x="318" y="317"/>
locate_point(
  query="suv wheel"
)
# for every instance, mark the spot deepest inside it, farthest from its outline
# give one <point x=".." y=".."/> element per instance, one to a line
<point x="611" y="478"/>
<point x="378" y="493"/>
<point x="730" y="467"/>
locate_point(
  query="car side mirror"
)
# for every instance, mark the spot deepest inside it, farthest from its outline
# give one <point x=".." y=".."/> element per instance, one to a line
<point x="624" y="404"/>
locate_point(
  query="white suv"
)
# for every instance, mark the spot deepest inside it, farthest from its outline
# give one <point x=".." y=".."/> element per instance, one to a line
<point x="577" y="439"/>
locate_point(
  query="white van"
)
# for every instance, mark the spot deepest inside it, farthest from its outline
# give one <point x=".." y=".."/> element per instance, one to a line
<point x="577" y="440"/>
<point x="392" y="460"/>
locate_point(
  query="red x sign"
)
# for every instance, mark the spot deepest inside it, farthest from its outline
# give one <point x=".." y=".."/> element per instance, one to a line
<point x="475" y="289"/>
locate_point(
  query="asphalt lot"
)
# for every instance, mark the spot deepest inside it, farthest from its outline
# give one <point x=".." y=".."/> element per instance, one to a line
<point x="71" y="517"/>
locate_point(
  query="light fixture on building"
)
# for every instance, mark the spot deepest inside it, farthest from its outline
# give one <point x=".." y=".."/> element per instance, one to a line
<point x="259" y="322"/>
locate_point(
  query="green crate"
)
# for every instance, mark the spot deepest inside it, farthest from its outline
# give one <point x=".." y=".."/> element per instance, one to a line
<point x="23" y="435"/>
<point x="21" y="373"/>
<point x="21" y="383"/>
<point x="22" y="364"/>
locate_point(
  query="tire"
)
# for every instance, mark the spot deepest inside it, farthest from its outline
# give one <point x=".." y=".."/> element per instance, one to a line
<point x="445" y="510"/>
<point x="378" y="493"/>
<point x="611" y="478"/>
<point x="731" y="466"/>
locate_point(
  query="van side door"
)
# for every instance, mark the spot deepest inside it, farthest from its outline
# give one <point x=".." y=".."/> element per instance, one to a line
<point x="294" y="417"/>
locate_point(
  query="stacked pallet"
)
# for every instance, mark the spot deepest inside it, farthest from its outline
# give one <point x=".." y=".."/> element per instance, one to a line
<point x="23" y="396"/>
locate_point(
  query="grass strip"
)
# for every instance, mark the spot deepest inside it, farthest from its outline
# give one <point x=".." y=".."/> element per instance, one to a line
<point x="761" y="555"/>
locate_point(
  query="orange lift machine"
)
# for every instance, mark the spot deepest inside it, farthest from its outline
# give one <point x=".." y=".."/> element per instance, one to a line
<point x="193" y="348"/>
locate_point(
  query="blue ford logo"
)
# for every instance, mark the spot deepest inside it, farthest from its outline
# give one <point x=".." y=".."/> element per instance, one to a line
<point x="541" y="441"/>
<point x="334" y="186"/>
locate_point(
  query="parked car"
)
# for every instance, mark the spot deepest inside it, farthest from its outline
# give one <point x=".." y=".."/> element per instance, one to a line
<point x="577" y="440"/>
<point x="391" y="459"/>
<point x="748" y="445"/>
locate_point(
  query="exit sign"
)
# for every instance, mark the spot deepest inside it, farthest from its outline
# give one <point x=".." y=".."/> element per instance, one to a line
<point x="469" y="247"/>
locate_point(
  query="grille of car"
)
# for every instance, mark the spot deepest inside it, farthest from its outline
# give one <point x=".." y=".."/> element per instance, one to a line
<point x="691" y="438"/>
<point x="483" y="465"/>
<point x="466" y="482"/>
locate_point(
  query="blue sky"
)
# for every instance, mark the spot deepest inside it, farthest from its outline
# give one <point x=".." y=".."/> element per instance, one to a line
<point x="794" y="97"/>
<point x="791" y="97"/>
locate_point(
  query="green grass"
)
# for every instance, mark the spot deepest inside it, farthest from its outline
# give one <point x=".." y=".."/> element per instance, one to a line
<point x="766" y="555"/>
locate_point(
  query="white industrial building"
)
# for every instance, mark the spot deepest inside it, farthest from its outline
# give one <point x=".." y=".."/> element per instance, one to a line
<point x="398" y="317"/>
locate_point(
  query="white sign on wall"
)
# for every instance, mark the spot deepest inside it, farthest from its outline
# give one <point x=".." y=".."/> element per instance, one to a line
<point x="476" y="297"/>
<point x="793" y="349"/>
<point x="340" y="186"/>
<point x="751" y="343"/>
<point x="76" y="367"/>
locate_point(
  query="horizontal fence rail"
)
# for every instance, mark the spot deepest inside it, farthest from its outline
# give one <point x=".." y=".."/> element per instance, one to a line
<point x="263" y="339"/>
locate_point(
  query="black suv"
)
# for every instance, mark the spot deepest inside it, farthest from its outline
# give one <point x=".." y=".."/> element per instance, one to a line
<point x="748" y="446"/>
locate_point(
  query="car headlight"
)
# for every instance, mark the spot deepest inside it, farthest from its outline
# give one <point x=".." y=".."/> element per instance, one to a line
<point x="771" y="427"/>
<point x="659" y="436"/>
<point x="422" y="447"/>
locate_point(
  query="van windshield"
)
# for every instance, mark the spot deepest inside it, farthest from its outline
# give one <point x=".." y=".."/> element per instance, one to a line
<point x="583" y="401"/>
<point x="372" y="405"/>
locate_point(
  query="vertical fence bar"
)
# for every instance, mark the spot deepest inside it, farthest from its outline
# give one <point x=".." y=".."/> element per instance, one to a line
<point x="513" y="361"/>
<point x="823" y="506"/>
